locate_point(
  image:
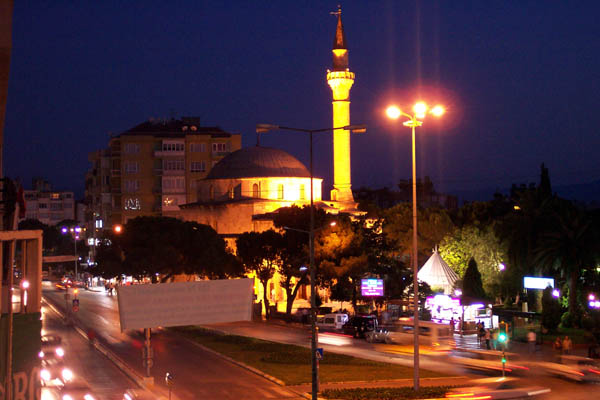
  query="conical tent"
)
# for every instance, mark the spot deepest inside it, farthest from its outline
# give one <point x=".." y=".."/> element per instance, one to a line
<point x="437" y="274"/>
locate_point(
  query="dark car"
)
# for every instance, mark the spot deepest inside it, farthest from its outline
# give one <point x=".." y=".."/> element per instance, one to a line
<point x="359" y="325"/>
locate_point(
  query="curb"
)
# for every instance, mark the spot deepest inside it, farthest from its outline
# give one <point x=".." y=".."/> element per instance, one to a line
<point x="133" y="375"/>
<point x="238" y="363"/>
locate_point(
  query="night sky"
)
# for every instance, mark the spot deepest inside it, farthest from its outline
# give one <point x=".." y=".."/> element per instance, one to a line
<point x="520" y="80"/>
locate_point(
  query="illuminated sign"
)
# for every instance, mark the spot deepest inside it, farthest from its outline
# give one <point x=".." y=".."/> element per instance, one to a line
<point x="532" y="282"/>
<point x="371" y="287"/>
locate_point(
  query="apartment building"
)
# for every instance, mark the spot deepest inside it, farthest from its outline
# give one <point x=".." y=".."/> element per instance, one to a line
<point x="152" y="168"/>
<point x="46" y="205"/>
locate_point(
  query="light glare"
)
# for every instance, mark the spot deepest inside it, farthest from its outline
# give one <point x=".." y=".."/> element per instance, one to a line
<point x="420" y="108"/>
<point x="438" y="111"/>
<point x="393" y="112"/>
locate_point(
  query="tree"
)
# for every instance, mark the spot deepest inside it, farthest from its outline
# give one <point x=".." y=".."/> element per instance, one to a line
<point x="260" y="253"/>
<point x="294" y="253"/>
<point x="567" y="244"/>
<point x="482" y="244"/>
<point x="551" y="310"/>
<point x="167" y="247"/>
<point x="472" y="285"/>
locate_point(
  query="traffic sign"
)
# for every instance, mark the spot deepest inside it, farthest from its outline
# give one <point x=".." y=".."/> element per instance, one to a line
<point x="75" y="305"/>
<point x="319" y="353"/>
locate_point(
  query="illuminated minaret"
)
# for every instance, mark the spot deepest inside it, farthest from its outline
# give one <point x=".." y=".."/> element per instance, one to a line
<point x="340" y="80"/>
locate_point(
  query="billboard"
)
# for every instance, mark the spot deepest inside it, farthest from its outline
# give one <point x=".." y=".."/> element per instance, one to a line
<point x="534" y="282"/>
<point x="185" y="303"/>
<point x="371" y="287"/>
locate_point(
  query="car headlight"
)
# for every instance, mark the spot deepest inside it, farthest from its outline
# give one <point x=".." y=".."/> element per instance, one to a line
<point x="67" y="374"/>
<point x="60" y="352"/>
<point x="88" y="397"/>
<point x="45" y="375"/>
<point x="41" y="354"/>
<point x="67" y="397"/>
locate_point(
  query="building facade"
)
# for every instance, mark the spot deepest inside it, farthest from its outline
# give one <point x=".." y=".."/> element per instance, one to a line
<point x="48" y="206"/>
<point x="152" y="168"/>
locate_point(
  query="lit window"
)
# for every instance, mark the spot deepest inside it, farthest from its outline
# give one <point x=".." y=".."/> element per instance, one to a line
<point x="231" y="193"/>
<point x="255" y="190"/>
<point x="132" y="204"/>
<point x="302" y="192"/>
<point x="280" y="191"/>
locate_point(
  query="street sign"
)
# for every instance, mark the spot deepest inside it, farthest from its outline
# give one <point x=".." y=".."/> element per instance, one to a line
<point x="75" y="305"/>
<point x="319" y="353"/>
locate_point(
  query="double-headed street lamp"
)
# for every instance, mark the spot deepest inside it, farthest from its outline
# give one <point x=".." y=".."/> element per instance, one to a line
<point x="263" y="128"/>
<point x="420" y="111"/>
<point x="75" y="232"/>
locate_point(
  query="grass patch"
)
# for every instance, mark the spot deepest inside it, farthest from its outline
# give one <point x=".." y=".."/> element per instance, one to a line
<point x="291" y="364"/>
<point x="400" y="393"/>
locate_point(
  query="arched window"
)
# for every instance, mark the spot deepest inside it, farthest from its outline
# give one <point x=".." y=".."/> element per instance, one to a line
<point x="255" y="190"/>
<point x="231" y="193"/>
<point x="302" y="192"/>
<point x="280" y="191"/>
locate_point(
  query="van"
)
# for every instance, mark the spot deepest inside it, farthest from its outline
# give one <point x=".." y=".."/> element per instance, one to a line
<point x="332" y="321"/>
<point x="431" y="334"/>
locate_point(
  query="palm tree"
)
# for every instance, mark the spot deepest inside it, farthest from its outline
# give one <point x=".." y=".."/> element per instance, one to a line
<point x="566" y="245"/>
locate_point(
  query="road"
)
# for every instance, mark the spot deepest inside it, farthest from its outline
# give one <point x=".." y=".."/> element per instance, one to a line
<point x="198" y="374"/>
<point x="220" y="379"/>
<point x="105" y="379"/>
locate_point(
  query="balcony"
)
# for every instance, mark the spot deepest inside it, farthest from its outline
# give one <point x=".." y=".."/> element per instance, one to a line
<point x="170" y="153"/>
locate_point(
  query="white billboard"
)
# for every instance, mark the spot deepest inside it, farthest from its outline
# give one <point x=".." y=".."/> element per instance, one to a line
<point x="534" y="282"/>
<point x="185" y="303"/>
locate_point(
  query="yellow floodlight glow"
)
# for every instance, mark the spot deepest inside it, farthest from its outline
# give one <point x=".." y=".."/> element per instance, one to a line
<point x="438" y="111"/>
<point x="393" y="112"/>
<point x="420" y="109"/>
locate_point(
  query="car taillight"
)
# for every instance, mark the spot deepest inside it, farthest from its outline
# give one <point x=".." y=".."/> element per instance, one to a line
<point x="577" y="372"/>
<point x="595" y="371"/>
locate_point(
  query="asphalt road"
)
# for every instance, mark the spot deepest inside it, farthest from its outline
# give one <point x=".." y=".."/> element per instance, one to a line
<point x="198" y="374"/>
<point x="105" y="379"/>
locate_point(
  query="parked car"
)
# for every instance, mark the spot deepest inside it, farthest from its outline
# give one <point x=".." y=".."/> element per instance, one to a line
<point x="332" y="321"/>
<point x="359" y="325"/>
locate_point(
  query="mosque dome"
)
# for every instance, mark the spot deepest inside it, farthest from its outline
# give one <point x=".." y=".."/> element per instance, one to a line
<point x="255" y="162"/>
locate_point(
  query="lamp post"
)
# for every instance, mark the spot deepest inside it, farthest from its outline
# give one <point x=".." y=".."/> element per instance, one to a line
<point x="263" y="128"/>
<point x="75" y="232"/>
<point x="420" y="110"/>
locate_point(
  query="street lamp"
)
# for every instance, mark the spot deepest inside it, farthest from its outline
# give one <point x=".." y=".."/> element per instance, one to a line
<point x="263" y="128"/>
<point x="420" y="110"/>
<point x="75" y="232"/>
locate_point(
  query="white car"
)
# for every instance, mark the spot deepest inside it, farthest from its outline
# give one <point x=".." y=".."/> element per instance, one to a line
<point x="496" y="388"/>
<point x="580" y="369"/>
<point x="332" y="321"/>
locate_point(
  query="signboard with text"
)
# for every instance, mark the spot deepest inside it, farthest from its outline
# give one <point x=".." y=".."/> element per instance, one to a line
<point x="534" y="282"/>
<point x="185" y="303"/>
<point x="371" y="287"/>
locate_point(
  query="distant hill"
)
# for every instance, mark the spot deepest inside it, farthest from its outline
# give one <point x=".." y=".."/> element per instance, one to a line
<point x="588" y="193"/>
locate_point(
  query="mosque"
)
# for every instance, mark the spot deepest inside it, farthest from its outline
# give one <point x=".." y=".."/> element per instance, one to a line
<point x="244" y="189"/>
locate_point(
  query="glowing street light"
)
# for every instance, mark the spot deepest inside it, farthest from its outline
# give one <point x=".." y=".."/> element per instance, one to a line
<point x="263" y="128"/>
<point x="420" y="110"/>
<point x="555" y="293"/>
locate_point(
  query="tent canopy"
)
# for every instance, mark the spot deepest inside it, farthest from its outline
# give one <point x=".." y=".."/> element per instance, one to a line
<point x="437" y="274"/>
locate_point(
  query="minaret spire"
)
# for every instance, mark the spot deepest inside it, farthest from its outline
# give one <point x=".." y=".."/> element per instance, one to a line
<point x="340" y="51"/>
<point x="340" y="80"/>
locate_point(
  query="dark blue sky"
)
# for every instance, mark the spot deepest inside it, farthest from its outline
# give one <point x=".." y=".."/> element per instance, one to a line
<point x="521" y="80"/>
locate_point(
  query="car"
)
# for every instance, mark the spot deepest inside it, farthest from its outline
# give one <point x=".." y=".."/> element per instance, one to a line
<point x="51" y="347"/>
<point x="54" y="372"/>
<point x="332" y="321"/>
<point x="378" y="335"/>
<point x="576" y="368"/>
<point x="76" y="389"/>
<point x="359" y="325"/>
<point x="496" y="388"/>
